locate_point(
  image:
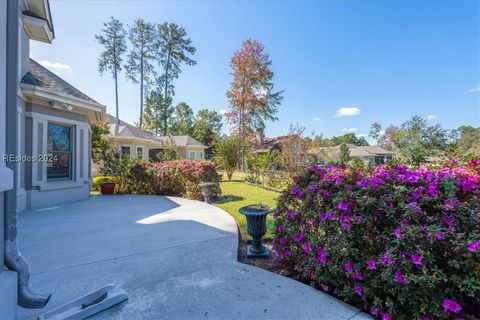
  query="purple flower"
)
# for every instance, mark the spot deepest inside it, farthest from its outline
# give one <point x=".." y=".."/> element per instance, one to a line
<point x="325" y="193"/>
<point x="324" y="287"/>
<point x="359" y="219"/>
<point x="474" y="246"/>
<point x="397" y="233"/>
<point x="450" y="203"/>
<point x="432" y="189"/>
<point x="313" y="188"/>
<point x="298" y="236"/>
<point x="327" y="216"/>
<point x="439" y="235"/>
<point x="342" y="205"/>
<point x="280" y="228"/>
<point x="416" y="259"/>
<point x="282" y="240"/>
<point x="424" y="318"/>
<point x="306" y="247"/>
<point x="348" y="267"/>
<point x="451" y="305"/>
<point x="291" y="214"/>
<point x="400" y="278"/>
<point x="357" y="275"/>
<point x="414" y="207"/>
<point x="321" y="255"/>
<point x="371" y="265"/>
<point x="358" y="290"/>
<point x="386" y="316"/>
<point x="386" y="260"/>
<point x="374" y="311"/>
<point x="449" y="221"/>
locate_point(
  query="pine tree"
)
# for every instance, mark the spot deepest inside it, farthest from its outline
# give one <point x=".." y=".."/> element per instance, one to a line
<point x="113" y="40"/>
<point x="174" y="49"/>
<point x="139" y="66"/>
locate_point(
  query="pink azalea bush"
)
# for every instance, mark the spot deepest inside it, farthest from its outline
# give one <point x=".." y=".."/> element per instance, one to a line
<point x="176" y="178"/>
<point x="400" y="242"/>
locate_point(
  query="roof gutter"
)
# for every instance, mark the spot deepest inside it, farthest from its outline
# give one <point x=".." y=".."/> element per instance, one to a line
<point x="14" y="260"/>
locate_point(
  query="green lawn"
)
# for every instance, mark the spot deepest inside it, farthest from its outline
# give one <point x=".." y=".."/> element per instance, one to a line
<point x="240" y="194"/>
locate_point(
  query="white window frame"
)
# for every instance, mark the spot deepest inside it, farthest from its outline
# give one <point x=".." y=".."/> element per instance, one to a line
<point x="194" y="154"/>
<point x="73" y="153"/>
<point x="136" y="152"/>
<point x="200" y="155"/>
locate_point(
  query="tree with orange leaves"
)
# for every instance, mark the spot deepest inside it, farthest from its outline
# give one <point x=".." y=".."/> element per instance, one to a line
<point x="251" y="96"/>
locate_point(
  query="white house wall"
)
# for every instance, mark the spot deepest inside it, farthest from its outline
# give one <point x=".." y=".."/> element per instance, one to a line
<point x="40" y="191"/>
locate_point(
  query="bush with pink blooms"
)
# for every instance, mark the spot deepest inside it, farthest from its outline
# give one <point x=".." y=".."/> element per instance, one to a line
<point x="397" y="241"/>
<point x="175" y="178"/>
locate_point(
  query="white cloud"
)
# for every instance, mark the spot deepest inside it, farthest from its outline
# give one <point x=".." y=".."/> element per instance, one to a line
<point x="476" y="89"/>
<point x="351" y="130"/>
<point x="348" y="112"/>
<point x="362" y="135"/>
<point x="55" y="66"/>
<point x="222" y="111"/>
<point x="317" y="119"/>
<point x="432" y="117"/>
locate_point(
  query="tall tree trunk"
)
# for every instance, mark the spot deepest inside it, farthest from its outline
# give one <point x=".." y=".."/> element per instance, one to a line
<point x="141" y="86"/>
<point x="165" y="108"/>
<point x="115" y="75"/>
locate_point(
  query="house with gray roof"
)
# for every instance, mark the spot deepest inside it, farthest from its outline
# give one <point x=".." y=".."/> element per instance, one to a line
<point x="368" y="154"/>
<point x="135" y="142"/>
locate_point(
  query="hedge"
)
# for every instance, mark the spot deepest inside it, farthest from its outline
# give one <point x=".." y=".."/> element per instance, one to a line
<point x="175" y="178"/>
<point x="397" y="241"/>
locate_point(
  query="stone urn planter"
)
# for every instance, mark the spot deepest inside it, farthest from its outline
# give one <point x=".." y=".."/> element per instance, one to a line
<point x="207" y="191"/>
<point x="256" y="215"/>
<point x="107" y="188"/>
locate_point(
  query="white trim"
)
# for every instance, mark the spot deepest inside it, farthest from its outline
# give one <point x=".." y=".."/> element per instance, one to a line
<point x="194" y="154"/>
<point x="30" y="90"/>
<point x="6" y="178"/>
<point x="38" y="24"/>
<point x="46" y="117"/>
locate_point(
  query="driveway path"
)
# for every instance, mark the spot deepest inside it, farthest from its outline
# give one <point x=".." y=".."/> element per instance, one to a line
<point x="176" y="258"/>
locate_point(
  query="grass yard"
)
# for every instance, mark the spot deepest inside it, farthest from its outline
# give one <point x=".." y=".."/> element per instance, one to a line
<point x="239" y="194"/>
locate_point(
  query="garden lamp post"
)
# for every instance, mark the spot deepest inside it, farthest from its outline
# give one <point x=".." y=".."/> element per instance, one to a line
<point x="257" y="227"/>
<point x="207" y="191"/>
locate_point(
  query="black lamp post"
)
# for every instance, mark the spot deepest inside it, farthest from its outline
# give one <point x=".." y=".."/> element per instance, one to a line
<point x="257" y="227"/>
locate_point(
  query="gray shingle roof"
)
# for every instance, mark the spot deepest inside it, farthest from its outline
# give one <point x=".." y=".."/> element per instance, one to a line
<point x="128" y="131"/>
<point x="42" y="77"/>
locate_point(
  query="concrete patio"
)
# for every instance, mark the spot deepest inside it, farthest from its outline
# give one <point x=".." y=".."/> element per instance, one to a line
<point x="176" y="258"/>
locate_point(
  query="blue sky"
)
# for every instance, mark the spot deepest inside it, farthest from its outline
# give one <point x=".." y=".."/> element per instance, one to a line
<point x="342" y="64"/>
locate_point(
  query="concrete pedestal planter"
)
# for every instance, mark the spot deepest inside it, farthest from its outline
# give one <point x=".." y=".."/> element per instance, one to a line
<point x="207" y="191"/>
<point x="256" y="227"/>
<point x="107" y="188"/>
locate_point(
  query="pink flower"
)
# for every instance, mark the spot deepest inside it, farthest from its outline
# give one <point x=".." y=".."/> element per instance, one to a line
<point x="358" y="290"/>
<point x="386" y="260"/>
<point x="451" y="305"/>
<point x="474" y="246"/>
<point x="357" y="275"/>
<point x="416" y="259"/>
<point x="324" y="287"/>
<point x="348" y="267"/>
<point x="386" y="316"/>
<point x="374" y="311"/>
<point x="371" y="265"/>
<point x="400" y="278"/>
<point x="449" y="221"/>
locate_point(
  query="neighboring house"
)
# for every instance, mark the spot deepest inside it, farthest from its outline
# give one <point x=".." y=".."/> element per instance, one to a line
<point x="368" y="154"/>
<point x="134" y="142"/>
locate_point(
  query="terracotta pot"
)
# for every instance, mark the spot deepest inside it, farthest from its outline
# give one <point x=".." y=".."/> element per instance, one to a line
<point x="107" y="188"/>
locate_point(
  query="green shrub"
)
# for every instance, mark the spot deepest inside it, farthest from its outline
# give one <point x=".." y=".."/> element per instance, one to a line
<point x="401" y="242"/>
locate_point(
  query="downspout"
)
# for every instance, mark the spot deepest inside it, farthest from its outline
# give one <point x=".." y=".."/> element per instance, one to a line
<point x="14" y="260"/>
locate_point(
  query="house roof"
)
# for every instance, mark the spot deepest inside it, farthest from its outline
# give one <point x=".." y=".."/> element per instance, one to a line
<point x="365" y="151"/>
<point x="42" y="77"/>
<point x="267" y="143"/>
<point x="127" y="131"/>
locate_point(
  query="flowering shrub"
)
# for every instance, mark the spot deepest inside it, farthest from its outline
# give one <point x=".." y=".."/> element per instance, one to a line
<point x="177" y="178"/>
<point x="402" y="243"/>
